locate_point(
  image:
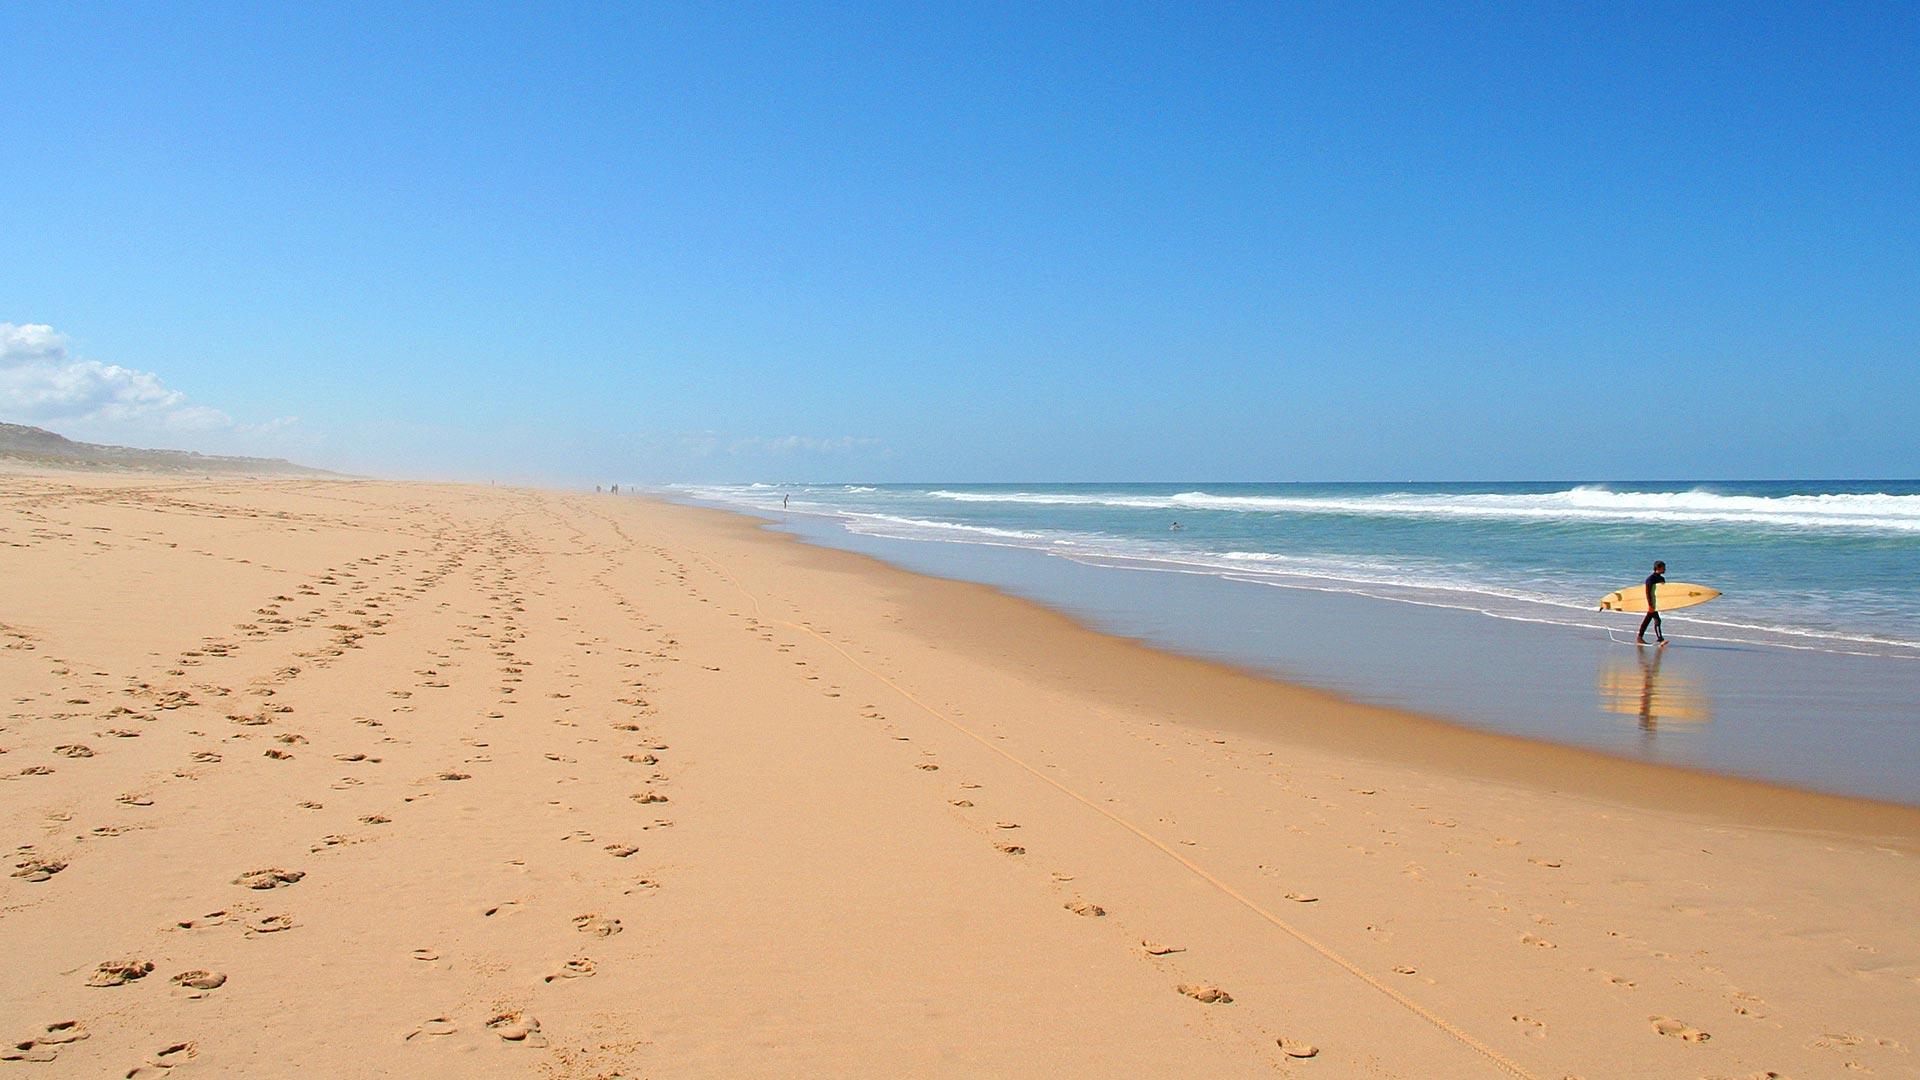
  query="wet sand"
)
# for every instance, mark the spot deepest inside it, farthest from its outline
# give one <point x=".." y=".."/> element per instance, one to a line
<point x="439" y="780"/>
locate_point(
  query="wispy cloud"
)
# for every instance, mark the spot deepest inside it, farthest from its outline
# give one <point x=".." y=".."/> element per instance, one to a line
<point x="784" y="445"/>
<point x="42" y="381"/>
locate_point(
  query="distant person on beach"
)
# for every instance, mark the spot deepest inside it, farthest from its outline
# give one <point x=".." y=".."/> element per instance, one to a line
<point x="783" y="501"/>
<point x="1658" y="577"/>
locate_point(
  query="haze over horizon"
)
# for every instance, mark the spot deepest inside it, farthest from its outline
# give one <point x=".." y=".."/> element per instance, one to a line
<point x="883" y="244"/>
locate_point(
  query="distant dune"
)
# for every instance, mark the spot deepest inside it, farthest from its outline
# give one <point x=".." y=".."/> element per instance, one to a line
<point x="18" y="442"/>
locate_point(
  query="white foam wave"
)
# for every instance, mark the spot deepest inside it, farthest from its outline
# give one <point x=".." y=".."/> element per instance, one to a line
<point x="1876" y="511"/>
<point x="907" y="528"/>
<point x="1431" y="586"/>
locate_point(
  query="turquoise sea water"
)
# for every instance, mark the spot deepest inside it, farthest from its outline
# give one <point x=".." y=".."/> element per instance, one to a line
<point x="1832" y="566"/>
<point x="1806" y="671"/>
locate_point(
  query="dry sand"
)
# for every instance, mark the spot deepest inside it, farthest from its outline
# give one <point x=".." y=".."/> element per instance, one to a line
<point x="471" y="782"/>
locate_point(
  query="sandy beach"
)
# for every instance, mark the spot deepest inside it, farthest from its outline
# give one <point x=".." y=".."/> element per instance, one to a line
<point x="313" y="777"/>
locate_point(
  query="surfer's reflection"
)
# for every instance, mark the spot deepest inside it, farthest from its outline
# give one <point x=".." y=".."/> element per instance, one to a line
<point x="1635" y="687"/>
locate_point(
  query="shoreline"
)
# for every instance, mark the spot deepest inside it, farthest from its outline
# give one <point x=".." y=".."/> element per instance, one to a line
<point x="1839" y="721"/>
<point x="1396" y="735"/>
<point x="662" y="793"/>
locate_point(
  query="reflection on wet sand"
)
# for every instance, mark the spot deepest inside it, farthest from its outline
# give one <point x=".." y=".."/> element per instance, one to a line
<point x="1636" y="687"/>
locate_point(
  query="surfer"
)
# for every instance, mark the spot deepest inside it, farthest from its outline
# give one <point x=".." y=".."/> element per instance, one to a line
<point x="1658" y="577"/>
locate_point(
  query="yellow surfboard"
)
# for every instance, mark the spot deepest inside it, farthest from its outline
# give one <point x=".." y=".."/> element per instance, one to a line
<point x="1671" y="595"/>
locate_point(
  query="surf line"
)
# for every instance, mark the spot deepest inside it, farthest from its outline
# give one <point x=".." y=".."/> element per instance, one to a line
<point x="1465" y="1038"/>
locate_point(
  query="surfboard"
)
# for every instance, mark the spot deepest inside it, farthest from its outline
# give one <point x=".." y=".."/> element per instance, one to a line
<point x="1672" y="595"/>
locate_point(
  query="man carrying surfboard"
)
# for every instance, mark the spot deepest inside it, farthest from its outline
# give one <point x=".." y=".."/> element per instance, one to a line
<point x="1654" y="595"/>
<point x="1658" y="577"/>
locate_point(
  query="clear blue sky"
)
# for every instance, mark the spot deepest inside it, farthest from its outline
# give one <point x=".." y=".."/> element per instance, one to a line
<point x="1021" y="242"/>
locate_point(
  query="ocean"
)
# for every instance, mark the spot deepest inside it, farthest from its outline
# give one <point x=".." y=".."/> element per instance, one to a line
<point x="1392" y="592"/>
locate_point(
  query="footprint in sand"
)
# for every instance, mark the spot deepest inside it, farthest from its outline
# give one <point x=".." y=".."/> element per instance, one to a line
<point x="517" y="1027"/>
<point x="137" y="799"/>
<point x="45" y="1046"/>
<point x="74" y="750"/>
<point x="270" y="924"/>
<point x="1205" y="993"/>
<point x="1082" y="907"/>
<point x="1010" y="849"/>
<point x="1153" y="949"/>
<point x="439" y="1025"/>
<point x="120" y="972"/>
<point x="577" y="968"/>
<point x="1536" y="942"/>
<point x="597" y="925"/>
<point x="1531" y="1028"/>
<point x="271" y="878"/>
<point x="198" y="983"/>
<point x="211" y="918"/>
<point x="162" y="1060"/>
<point x="621" y="851"/>
<point x="1303" y="898"/>
<point x="451" y="775"/>
<point x="424" y="955"/>
<point x="1294" y="1048"/>
<point x="1674" y="1029"/>
<point x="648" y="797"/>
<point x="205" y="757"/>
<point x="37" y="868"/>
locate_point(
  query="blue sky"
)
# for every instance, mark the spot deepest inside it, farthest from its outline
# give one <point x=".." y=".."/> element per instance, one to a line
<point x="1043" y="242"/>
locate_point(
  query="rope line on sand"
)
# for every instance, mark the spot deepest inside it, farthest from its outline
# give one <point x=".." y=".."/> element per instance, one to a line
<point x="1500" y="1060"/>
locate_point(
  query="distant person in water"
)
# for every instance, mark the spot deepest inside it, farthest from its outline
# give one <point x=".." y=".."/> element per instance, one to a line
<point x="1658" y="577"/>
<point x="783" y="501"/>
<point x="1175" y="527"/>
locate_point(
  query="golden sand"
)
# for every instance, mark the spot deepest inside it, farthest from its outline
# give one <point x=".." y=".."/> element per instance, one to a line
<point x="361" y="779"/>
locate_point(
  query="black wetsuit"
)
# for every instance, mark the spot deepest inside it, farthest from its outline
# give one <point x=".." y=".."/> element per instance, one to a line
<point x="1653" y="613"/>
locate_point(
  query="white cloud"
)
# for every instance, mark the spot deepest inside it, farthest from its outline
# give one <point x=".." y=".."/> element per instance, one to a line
<point x="804" y="444"/>
<point x="41" y="381"/>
